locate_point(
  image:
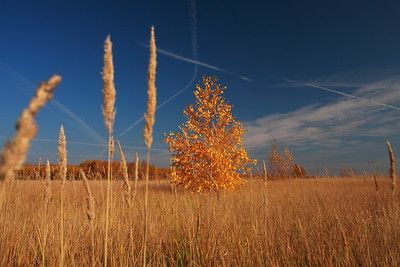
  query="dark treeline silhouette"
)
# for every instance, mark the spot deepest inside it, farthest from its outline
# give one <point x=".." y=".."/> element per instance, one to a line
<point x="94" y="170"/>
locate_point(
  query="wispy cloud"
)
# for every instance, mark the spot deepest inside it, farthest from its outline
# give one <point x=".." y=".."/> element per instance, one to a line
<point x="197" y="62"/>
<point x="359" y="98"/>
<point x="348" y="79"/>
<point x="335" y="123"/>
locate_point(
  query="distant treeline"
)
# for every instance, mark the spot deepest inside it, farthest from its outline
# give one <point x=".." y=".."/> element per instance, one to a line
<point x="94" y="170"/>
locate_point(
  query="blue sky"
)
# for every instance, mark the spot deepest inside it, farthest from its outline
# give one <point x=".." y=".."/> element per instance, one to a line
<point x="348" y="46"/>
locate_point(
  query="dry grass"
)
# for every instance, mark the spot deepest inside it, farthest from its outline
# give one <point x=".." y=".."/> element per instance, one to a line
<point x="124" y="169"/>
<point x="149" y="118"/>
<point x="91" y="214"/>
<point x="315" y="221"/>
<point x="62" y="173"/>
<point x="109" y="94"/>
<point x="15" y="150"/>
<point x="392" y="170"/>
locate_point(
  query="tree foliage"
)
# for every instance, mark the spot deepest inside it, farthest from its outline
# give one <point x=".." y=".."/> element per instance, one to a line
<point x="207" y="152"/>
<point x="280" y="163"/>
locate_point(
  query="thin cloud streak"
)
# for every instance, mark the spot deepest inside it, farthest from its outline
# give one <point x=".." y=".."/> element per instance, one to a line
<point x="83" y="124"/>
<point x="343" y="94"/>
<point x="162" y="104"/>
<point x="70" y="142"/>
<point x="196" y="68"/>
<point x="333" y="124"/>
<point x="55" y="102"/>
<point x="196" y="62"/>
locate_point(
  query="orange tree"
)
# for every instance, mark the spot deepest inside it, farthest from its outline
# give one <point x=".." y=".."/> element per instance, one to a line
<point x="207" y="152"/>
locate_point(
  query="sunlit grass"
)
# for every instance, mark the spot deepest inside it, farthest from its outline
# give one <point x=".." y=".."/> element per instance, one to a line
<point x="315" y="221"/>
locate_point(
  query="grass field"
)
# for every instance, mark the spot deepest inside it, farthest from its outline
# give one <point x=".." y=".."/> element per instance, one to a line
<point x="325" y="221"/>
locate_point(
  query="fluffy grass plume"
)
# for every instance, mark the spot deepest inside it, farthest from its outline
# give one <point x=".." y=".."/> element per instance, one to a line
<point x="149" y="117"/>
<point x="108" y="86"/>
<point x="47" y="192"/>
<point x="15" y="150"/>
<point x="90" y="212"/>
<point x="112" y="147"/>
<point x="127" y="185"/>
<point x="109" y="116"/>
<point x="44" y="220"/>
<point x="62" y="155"/>
<point x="392" y="170"/>
<point x="62" y="172"/>
<point x="265" y="171"/>
<point x="38" y="167"/>
<point x="136" y="170"/>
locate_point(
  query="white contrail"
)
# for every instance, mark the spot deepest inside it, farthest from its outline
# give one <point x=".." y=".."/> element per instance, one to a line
<point x="194" y="28"/>
<point x="194" y="61"/>
<point x="84" y="125"/>
<point x="161" y="105"/>
<point x="197" y="62"/>
<point x="196" y="67"/>
<point x="57" y="103"/>
<point x="87" y="143"/>
<point x="343" y="94"/>
<point x="246" y="79"/>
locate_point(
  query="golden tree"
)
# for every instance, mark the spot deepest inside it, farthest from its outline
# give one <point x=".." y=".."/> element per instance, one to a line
<point x="281" y="164"/>
<point x="208" y="153"/>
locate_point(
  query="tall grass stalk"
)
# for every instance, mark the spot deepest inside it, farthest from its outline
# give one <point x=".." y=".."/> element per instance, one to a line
<point x="90" y="212"/>
<point x="37" y="172"/>
<point x="46" y="200"/>
<point x="265" y="171"/>
<point x="47" y="193"/>
<point x="148" y="129"/>
<point x="15" y="150"/>
<point x="109" y="116"/>
<point x="136" y="171"/>
<point x="127" y="185"/>
<point x="62" y="171"/>
<point x="392" y="170"/>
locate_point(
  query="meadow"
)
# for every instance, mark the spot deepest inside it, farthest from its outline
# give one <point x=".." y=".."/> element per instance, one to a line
<point x="206" y="209"/>
<point x="324" y="221"/>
